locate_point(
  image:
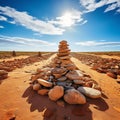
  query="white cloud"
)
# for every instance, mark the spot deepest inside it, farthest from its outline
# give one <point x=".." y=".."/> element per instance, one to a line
<point x="91" y="5"/>
<point x="68" y="19"/>
<point x="111" y="7"/>
<point x="118" y="10"/>
<point x="30" y="22"/>
<point x="94" y="43"/>
<point x="85" y="21"/>
<point x="25" y="41"/>
<point x="2" y="18"/>
<point x="1" y="26"/>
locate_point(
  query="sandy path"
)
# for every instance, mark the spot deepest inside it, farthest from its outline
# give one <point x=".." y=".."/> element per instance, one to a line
<point x="9" y="59"/>
<point x="12" y="90"/>
<point x="18" y="98"/>
<point x="110" y="87"/>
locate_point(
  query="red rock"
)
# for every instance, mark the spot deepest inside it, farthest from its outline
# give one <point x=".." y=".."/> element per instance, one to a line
<point x="110" y="74"/>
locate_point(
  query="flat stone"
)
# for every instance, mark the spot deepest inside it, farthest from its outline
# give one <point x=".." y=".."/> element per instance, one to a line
<point x="56" y="92"/>
<point x="59" y="70"/>
<point x="44" y="83"/>
<point x="63" y="54"/>
<point x="74" y="75"/>
<point x="79" y="82"/>
<point x="63" y="41"/>
<point x="64" y="84"/>
<point x="90" y="92"/>
<point x="64" y="57"/>
<point x="63" y="78"/>
<point x="73" y="96"/>
<point x="43" y="91"/>
<point x="63" y="50"/>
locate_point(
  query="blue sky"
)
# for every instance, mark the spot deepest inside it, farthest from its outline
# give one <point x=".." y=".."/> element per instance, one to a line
<point x="39" y="25"/>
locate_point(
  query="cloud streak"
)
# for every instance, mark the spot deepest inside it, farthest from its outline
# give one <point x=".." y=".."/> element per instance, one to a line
<point x="25" y="41"/>
<point x="2" y="18"/>
<point x="94" y="43"/>
<point x="92" y="5"/>
<point x="1" y="27"/>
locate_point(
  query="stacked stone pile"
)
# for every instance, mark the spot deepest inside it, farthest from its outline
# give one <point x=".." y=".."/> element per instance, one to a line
<point x="62" y="80"/>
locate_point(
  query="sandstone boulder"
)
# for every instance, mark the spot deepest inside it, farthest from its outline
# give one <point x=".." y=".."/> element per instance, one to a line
<point x="72" y="96"/>
<point x="56" y="92"/>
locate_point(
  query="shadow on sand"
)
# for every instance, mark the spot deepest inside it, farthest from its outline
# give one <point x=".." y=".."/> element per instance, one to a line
<point x="70" y="112"/>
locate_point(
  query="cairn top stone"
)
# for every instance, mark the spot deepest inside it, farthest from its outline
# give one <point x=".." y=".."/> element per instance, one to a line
<point x="63" y="41"/>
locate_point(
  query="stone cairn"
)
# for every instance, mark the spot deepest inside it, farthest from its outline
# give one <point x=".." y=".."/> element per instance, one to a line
<point x="63" y="82"/>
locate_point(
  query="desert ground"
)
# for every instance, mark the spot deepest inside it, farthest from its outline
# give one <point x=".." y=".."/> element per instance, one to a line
<point x="19" y="102"/>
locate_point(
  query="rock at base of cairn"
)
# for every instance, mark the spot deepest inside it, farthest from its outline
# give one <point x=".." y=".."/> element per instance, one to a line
<point x="90" y="92"/>
<point x="56" y="93"/>
<point x="72" y="96"/>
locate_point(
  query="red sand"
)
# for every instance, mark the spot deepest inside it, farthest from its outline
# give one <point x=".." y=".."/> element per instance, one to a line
<point x="18" y="99"/>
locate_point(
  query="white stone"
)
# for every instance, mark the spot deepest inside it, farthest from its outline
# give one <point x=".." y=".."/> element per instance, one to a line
<point x="44" y="83"/>
<point x="90" y="92"/>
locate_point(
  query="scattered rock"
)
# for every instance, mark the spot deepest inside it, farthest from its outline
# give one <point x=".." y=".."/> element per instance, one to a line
<point x="56" y="92"/>
<point x="90" y="92"/>
<point x="110" y="74"/>
<point x="118" y="80"/>
<point x="72" y="96"/>
<point x="10" y="115"/>
<point x="3" y="74"/>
